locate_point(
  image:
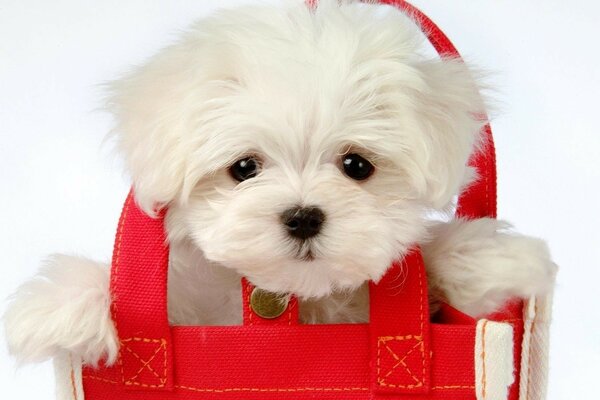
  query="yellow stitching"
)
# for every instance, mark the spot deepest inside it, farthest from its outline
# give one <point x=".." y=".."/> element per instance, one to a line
<point x="483" y="377"/>
<point x="362" y="389"/>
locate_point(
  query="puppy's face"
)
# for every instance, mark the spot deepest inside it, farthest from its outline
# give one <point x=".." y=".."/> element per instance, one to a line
<point x="299" y="148"/>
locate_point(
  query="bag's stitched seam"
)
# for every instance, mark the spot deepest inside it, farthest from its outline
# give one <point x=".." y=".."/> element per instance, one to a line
<point x="383" y="341"/>
<point x="483" y="374"/>
<point x="162" y="346"/>
<point x="535" y="311"/>
<point x="113" y="277"/>
<point x="448" y="387"/>
<point x="72" y="375"/>
<point x="420" y="382"/>
<point x="225" y="390"/>
<point x="304" y="389"/>
<point x="290" y="311"/>
<point x="145" y="364"/>
<point x="401" y="362"/>
<point x="421" y="267"/>
<point x="362" y="389"/>
<point x="487" y="180"/>
<point x="249" y="307"/>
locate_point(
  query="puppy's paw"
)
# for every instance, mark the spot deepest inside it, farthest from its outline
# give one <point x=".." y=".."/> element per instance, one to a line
<point x="479" y="265"/>
<point x="66" y="307"/>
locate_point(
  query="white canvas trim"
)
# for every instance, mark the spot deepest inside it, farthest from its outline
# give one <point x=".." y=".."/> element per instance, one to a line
<point x="494" y="364"/>
<point x="536" y="343"/>
<point x="67" y="372"/>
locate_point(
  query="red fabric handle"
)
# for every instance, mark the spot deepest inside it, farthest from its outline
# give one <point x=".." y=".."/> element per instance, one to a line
<point x="139" y="308"/>
<point x="400" y="329"/>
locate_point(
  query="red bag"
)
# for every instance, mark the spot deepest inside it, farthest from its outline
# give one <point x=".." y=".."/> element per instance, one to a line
<point x="400" y="354"/>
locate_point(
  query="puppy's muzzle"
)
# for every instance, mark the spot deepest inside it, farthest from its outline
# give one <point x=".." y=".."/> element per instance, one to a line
<point x="303" y="222"/>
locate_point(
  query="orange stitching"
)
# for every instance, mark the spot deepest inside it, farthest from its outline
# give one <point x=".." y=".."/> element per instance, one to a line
<point x="290" y="308"/>
<point x="97" y="378"/>
<point x="145" y="364"/>
<point x="421" y="267"/>
<point x="72" y="377"/>
<point x="510" y="321"/>
<point x="419" y="337"/>
<point x="304" y="389"/>
<point x="343" y="389"/>
<point x="249" y="307"/>
<point x="225" y="390"/>
<point x="145" y="385"/>
<point x="165" y="360"/>
<point x="487" y="184"/>
<point x="383" y="340"/>
<point x="535" y="310"/>
<point x="401" y="362"/>
<point x="405" y="337"/>
<point x="113" y="276"/>
<point x="145" y="340"/>
<point x="483" y="374"/>
<point x="378" y="359"/>
<point x="453" y="387"/>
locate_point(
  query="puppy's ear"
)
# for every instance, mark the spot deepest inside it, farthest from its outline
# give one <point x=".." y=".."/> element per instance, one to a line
<point x="452" y="115"/>
<point x="158" y="109"/>
<point x="149" y="107"/>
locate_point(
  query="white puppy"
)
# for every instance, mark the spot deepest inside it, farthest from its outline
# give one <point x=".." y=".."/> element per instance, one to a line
<point x="302" y="150"/>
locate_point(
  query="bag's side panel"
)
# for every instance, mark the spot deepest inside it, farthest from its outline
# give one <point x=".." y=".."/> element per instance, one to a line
<point x="67" y="372"/>
<point x="536" y="341"/>
<point x="494" y="361"/>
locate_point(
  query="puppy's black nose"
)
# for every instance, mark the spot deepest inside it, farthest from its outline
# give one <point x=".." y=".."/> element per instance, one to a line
<point x="303" y="222"/>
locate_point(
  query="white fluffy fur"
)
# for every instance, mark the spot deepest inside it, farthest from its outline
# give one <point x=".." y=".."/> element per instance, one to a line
<point x="477" y="265"/>
<point x="65" y="307"/>
<point x="298" y="89"/>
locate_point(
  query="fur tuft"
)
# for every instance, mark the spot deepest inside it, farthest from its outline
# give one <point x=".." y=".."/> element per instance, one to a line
<point x="65" y="307"/>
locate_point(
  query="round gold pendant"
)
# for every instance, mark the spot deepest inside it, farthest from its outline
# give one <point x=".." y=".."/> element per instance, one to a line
<point x="268" y="305"/>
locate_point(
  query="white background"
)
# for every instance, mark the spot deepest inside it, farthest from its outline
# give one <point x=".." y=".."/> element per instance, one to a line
<point x="61" y="190"/>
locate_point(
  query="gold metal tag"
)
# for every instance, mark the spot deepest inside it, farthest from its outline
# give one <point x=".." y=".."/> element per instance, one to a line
<point x="268" y="305"/>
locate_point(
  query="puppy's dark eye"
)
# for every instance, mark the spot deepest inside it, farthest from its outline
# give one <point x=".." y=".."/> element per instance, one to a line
<point x="357" y="167"/>
<point x="245" y="168"/>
